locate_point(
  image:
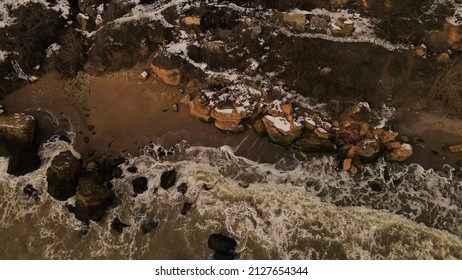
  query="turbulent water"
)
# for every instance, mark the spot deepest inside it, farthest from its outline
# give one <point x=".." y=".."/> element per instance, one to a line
<point x="298" y="208"/>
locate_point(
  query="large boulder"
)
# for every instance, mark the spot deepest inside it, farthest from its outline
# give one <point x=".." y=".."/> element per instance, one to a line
<point x="310" y="143"/>
<point x="92" y="198"/>
<point x="199" y="110"/>
<point x="168" y="67"/>
<point x="368" y="150"/>
<point x="17" y="127"/>
<point x="223" y="246"/>
<point x="281" y="131"/>
<point x="168" y="179"/>
<point x="228" y="119"/>
<point x="62" y="176"/>
<point x="399" y="154"/>
<point x="297" y="21"/>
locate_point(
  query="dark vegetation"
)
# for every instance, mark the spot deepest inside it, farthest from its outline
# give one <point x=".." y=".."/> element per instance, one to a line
<point x="446" y="88"/>
<point x="72" y="55"/>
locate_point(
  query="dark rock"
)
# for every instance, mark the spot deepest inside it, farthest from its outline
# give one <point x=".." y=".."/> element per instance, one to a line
<point x="86" y="139"/>
<point x="132" y="169"/>
<point x="62" y="176"/>
<point x="32" y="192"/>
<point x="310" y="143"/>
<point x="64" y="138"/>
<point x="91" y="127"/>
<point x="186" y="208"/>
<point x="92" y="198"/>
<point x="18" y="128"/>
<point x="140" y="185"/>
<point x="223" y="246"/>
<point x="376" y="186"/>
<point x="161" y="152"/>
<point x="23" y="161"/>
<point x="183" y="188"/>
<point x="206" y="187"/>
<point x="71" y="208"/>
<point x="149" y="226"/>
<point x="118" y="226"/>
<point x="168" y="179"/>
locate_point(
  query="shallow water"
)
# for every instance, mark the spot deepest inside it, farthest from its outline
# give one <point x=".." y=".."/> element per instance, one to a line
<point x="290" y="210"/>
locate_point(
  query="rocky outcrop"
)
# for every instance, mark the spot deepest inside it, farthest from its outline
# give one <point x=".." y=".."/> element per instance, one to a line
<point x="223" y="246"/>
<point x="228" y="119"/>
<point x="17" y="127"/>
<point x="400" y="153"/>
<point x="199" y="110"/>
<point x="62" y="176"/>
<point x="368" y="150"/>
<point x="168" y="67"/>
<point x="92" y="198"/>
<point x="281" y="131"/>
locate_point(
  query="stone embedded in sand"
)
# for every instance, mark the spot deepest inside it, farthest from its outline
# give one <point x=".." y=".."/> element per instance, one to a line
<point x="140" y="185"/>
<point x="227" y="119"/>
<point x="341" y="28"/>
<point x="168" y="67"/>
<point x="401" y="154"/>
<point x="455" y="148"/>
<point x="310" y="143"/>
<point x="62" y="176"/>
<point x="318" y="25"/>
<point x="92" y="198"/>
<point x="199" y="110"/>
<point x="280" y="130"/>
<point x="297" y="21"/>
<point x="368" y="150"/>
<point x="443" y="58"/>
<point x="168" y="179"/>
<point x="17" y="127"/>
<point x="420" y="51"/>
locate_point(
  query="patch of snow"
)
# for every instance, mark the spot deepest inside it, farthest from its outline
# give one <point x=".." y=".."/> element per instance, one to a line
<point x="280" y="123"/>
<point x="224" y="111"/>
<point x="100" y="9"/>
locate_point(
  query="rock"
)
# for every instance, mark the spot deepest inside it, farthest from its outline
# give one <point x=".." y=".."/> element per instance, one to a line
<point x="310" y="143"/>
<point x="376" y="186"/>
<point x="227" y="120"/>
<point x="443" y="58"/>
<point x="118" y="226"/>
<point x="393" y="145"/>
<point x="140" y="185"/>
<point x="297" y="21"/>
<point x="420" y="51"/>
<point x="199" y="110"/>
<point x="168" y="179"/>
<point x="213" y="47"/>
<point x="92" y="198"/>
<point x="17" y="127"/>
<point x="175" y="108"/>
<point x="454" y="37"/>
<point x="186" y="208"/>
<point x="280" y="130"/>
<point x="459" y="132"/>
<point x="99" y="22"/>
<point x="32" y="192"/>
<point x="385" y="136"/>
<point x="318" y="25"/>
<point x="223" y="246"/>
<point x="400" y="154"/>
<point x="62" y="176"/>
<point x="206" y="187"/>
<point x="255" y="31"/>
<point x="341" y="28"/>
<point x="455" y="148"/>
<point x="259" y="127"/>
<point x="149" y="226"/>
<point x="168" y="67"/>
<point x="191" y="21"/>
<point x="83" y="21"/>
<point x="368" y="150"/>
<point x="23" y="159"/>
<point x="144" y="75"/>
<point x="183" y="188"/>
<point x="321" y="133"/>
<point x="132" y="169"/>
<point x="346" y="165"/>
<point x="359" y="112"/>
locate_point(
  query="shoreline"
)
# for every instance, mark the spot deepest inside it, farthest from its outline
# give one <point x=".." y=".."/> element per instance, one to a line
<point x="121" y="114"/>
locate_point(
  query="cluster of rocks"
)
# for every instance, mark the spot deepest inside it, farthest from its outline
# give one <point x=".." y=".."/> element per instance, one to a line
<point x="340" y="27"/>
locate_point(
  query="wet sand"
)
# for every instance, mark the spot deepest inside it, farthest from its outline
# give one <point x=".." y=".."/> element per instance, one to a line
<point x="122" y="114"/>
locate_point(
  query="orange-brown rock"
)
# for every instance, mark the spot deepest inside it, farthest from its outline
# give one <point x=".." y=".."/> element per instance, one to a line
<point x="92" y="198"/>
<point x="393" y="145"/>
<point x="420" y="51"/>
<point x="455" y="37"/>
<point x="297" y="21"/>
<point x="459" y="132"/>
<point x="321" y="133"/>
<point x="443" y="58"/>
<point x="455" y="148"/>
<point x="280" y="130"/>
<point x="400" y="154"/>
<point x="168" y="67"/>
<point x="227" y="119"/>
<point x="191" y="21"/>
<point x="287" y="109"/>
<point x="310" y="143"/>
<point x="318" y="25"/>
<point x="353" y="169"/>
<point x="199" y="110"/>
<point x="368" y="150"/>
<point x="346" y="164"/>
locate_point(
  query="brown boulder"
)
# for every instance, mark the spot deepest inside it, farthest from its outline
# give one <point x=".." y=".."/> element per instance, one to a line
<point x="310" y="143"/>
<point x="62" y="176"/>
<point x="280" y="130"/>
<point x="168" y="67"/>
<point x="297" y="21"/>
<point x="318" y="25"/>
<point x="368" y="150"/>
<point x="18" y="128"/>
<point x="400" y="154"/>
<point x="455" y="37"/>
<point x="92" y="198"/>
<point x="227" y="119"/>
<point x="455" y="148"/>
<point x="199" y="110"/>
